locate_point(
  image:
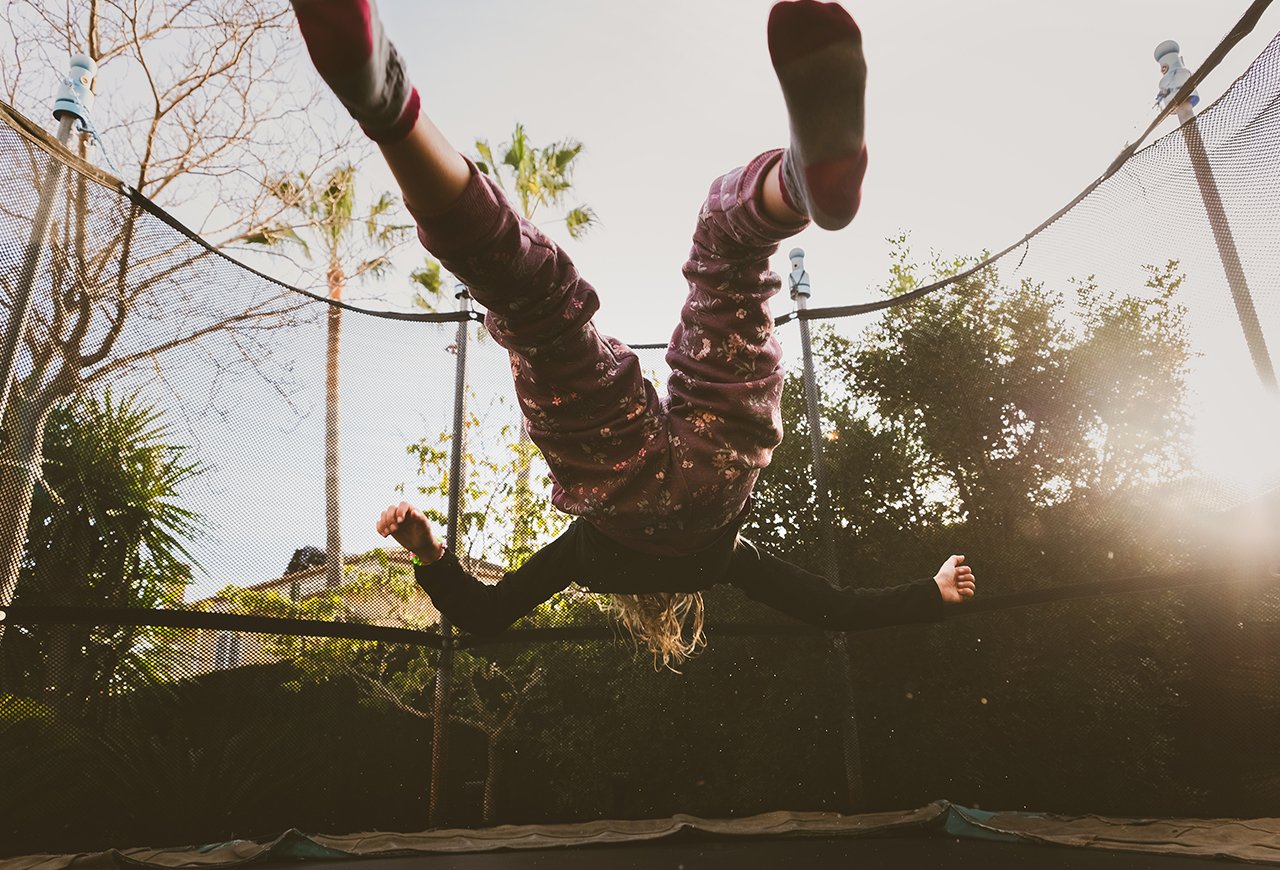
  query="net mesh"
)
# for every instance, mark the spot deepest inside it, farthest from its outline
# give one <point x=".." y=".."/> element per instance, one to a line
<point x="1083" y="417"/>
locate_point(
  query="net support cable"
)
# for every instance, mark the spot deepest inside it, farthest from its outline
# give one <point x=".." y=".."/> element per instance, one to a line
<point x="37" y="136"/>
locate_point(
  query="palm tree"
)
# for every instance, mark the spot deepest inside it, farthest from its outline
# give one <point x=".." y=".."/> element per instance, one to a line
<point x="538" y="177"/>
<point x="428" y="285"/>
<point x="327" y="208"/>
<point x="107" y="529"/>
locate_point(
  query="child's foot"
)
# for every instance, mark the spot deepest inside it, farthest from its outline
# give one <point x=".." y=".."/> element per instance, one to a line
<point x="359" y="64"/>
<point x="817" y="53"/>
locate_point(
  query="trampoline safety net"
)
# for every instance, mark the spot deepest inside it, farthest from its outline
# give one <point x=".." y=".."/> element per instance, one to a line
<point x="182" y="662"/>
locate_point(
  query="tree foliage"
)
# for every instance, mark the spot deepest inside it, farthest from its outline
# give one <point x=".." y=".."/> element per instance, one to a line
<point x="539" y="176"/>
<point x="1042" y="433"/>
<point x="324" y="218"/>
<point x="502" y="516"/>
<point x="108" y="529"/>
<point x="984" y="410"/>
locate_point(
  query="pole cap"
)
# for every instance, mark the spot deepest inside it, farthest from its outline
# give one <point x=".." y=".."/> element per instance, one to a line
<point x="1174" y="75"/>
<point x="75" y="97"/>
<point x="799" y="278"/>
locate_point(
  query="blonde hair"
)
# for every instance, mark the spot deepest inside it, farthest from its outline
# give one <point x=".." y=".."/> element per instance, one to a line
<point x="657" y="620"/>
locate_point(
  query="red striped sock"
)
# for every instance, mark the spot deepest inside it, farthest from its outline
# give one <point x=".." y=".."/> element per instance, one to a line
<point x="816" y="50"/>
<point x="351" y="52"/>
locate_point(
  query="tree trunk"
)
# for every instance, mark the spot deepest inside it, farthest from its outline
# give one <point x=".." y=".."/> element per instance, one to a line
<point x="19" y="471"/>
<point x="332" y="501"/>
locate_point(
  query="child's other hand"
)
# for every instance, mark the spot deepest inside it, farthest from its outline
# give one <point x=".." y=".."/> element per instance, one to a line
<point x="955" y="581"/>
<point x="411" y="529"/>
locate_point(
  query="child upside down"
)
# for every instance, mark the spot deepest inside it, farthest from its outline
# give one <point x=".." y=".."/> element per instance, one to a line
<point x="660" y="486"/>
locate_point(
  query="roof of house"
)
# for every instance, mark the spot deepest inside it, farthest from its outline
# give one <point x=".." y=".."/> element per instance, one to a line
<point x="487" y="572"/>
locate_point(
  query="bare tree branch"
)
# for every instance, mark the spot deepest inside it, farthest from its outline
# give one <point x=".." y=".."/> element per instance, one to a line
<point x="201" y="105"/>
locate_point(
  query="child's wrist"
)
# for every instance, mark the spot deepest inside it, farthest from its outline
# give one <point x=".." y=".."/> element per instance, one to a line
<point x="427" y="556"/>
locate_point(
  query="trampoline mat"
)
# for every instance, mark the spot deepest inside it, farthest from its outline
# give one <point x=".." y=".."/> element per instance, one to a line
<point x="940" y="834"/>
<point x="770" y="853"/>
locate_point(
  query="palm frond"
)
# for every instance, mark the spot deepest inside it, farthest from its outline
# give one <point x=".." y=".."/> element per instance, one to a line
<point x="580" y="221"/>
<point x="487" y="164"/>
<point x="563" y="154"/>
<point x="276" y="234"/>
<point x="375" y="266"/>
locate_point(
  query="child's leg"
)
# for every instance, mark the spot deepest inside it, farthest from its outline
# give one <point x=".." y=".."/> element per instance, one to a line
<point x="726" y="383"/>
<point x="816" y="50"/>
<point x="584" y="397"/>
<point x="587" y="404"/>
<point x="361" y="66"/>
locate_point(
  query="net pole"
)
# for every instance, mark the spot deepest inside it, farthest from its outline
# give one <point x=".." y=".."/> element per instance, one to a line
<point x="444" y="670"/>
<point x="800" y="292"/>
<point x="1246" y="312"/>
<point x="21" y="315"/>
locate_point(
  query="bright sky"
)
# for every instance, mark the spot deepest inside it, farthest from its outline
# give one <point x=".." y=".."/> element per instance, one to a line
<point x="984" y="117"/>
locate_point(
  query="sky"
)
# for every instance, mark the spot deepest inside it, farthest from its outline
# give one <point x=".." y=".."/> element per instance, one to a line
<point x="984" y="117"/>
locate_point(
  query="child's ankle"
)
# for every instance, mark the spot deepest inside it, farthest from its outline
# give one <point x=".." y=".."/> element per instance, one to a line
<point x="400" y="128"/>
<point x="353" y="55"/>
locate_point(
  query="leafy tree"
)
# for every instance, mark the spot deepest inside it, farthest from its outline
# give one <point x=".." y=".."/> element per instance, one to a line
<point x="1020" y="406"/>
<point x="1038" y="432"/>
<point x="108" y="529"/>
<point x="350" y="246"/>
<point x="983" y="407"/>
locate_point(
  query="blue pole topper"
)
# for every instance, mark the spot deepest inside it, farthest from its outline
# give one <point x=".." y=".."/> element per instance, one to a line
<point x="75" y="97"/>
<point x="1175" y="74"/>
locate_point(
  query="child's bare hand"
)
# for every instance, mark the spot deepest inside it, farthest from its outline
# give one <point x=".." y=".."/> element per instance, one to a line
<point x="411" y="529"/>
<point x="955" y="581"/>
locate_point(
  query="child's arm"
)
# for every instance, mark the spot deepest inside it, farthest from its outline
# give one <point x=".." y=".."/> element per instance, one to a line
<point x="474" y="606"/>
<point x="810" y="598"/>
